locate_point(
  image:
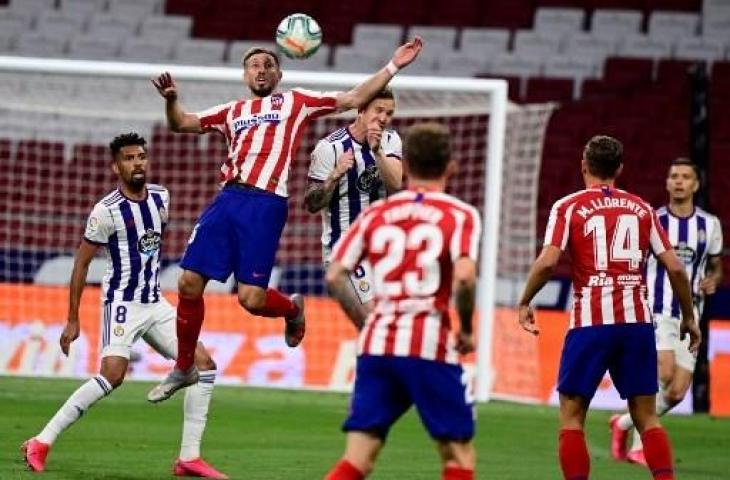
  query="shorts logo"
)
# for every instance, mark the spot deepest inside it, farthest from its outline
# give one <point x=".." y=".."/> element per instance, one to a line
<point x="149" y="243"/>
<point x="364" y="286"/>
<point x="118" y="330"/>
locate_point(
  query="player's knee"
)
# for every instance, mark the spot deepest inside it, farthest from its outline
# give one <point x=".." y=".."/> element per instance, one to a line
<point x="674" y="394"/>
<point x="251" y="300"/>
<point x="458" y="454"/>
<point x="190" y="285"/>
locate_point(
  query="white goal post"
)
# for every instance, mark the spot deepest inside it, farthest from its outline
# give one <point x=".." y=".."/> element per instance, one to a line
<point x="432" y="97"/>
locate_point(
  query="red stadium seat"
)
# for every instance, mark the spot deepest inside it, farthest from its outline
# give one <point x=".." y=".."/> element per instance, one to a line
<point x="549" y="90"/>
<point x="628" y="73"/>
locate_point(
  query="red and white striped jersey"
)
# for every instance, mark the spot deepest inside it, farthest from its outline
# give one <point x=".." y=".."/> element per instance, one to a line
<point x="263" y="134"/>
<point x="411" y="241"/>
<point x="609" y="234"/>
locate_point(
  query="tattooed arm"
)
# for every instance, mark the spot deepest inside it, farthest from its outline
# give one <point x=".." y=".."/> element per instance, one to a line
<point x="319" y="193"/>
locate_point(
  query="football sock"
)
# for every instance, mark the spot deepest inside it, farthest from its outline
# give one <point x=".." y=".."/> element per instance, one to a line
<point x="625" y="422"/>
<point x="457" y="473"/>
<point x="658" y="453"/>
<point x="636" y="443"/>
<point x="277" y="305"/>
<point x="190" y="314"/>
<point x="195" y="414"/>
<point x="662" y="406"/>
<point x="81" y="400"/>
<point x="344" y="470"/>
<point x="573" y="454"/>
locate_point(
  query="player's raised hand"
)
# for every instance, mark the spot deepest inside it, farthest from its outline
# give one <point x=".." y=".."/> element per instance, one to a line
<point x="407" y="52"/>
<point x="464" y="343"/>
<point x="374" y="135"/>
<point x="527" y="319"/>
<point x="69" y="334"/>
<point x="166" y="86"/>
<point x="689" y="327"/>
<point x="344" y="163"/>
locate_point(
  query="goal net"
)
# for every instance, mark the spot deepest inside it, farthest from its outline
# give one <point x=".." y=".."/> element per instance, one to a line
<point x="56" y="120"/>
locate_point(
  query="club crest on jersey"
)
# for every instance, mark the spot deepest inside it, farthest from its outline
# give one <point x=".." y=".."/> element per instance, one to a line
<point x="600" y="280"/>
<point x="701" y="235"/>
<point x="369" y="180"/>
<point x="149" y="243"/>
<point x="163" y="215"/>
<point x="93" y="225"/>
<point x="256" y="119"/>
<point x="277" y="100"/>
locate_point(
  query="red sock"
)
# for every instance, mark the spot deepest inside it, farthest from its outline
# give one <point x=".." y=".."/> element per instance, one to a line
<point x="456" y="473"/>
<point x="573" y="453"/>
<point x="277" y="305"/>
<point x="658" y="453"/>
<point x="190" y="314"/>
<point x="344" y="470"/>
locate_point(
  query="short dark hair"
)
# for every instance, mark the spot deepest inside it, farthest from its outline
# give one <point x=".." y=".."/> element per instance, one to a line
<point x="386" y="93"/>
<point x="687" y="162"/>
<point x="604" y="156"/>
<point x="124" y="140"/>
<point x="254" y="50"/>
<point x="427" y="150"/>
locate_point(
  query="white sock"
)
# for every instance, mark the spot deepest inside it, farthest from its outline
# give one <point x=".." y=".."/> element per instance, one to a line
<point x="81" y="400"/>
<point x="625" y="422"/>
<point x="662" y="406"/>
<point x="195" y="412"/>
<point x="636" y="443"/>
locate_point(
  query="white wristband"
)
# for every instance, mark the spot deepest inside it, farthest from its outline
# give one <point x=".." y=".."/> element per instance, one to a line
<point x="391" y="68"/>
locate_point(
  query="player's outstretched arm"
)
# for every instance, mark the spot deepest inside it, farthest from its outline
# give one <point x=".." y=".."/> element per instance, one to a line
<point x="337" y="281"/>
<point x="177" y="119"/>
<point x="540" y="273"/>
<point x="319" y="194"/>
<point x="680" y="286"/>
<point x="84" y="255"/>
<point x="362" y="93"/>
<point x="465" y="282"/>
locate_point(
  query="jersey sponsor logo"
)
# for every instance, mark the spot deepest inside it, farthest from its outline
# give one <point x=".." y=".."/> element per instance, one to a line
<point x="149" y="243"/>
<point x="629" y="280"/>
<point x="369" y="180"/>
<point x="600" y="280"/>
<point x="254" y="120"/>
<point x="685" y="253"/>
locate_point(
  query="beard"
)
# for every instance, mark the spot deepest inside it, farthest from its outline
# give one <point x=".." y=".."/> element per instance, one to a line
<point x="261" y="91"/>
<point x="137" y="183"/>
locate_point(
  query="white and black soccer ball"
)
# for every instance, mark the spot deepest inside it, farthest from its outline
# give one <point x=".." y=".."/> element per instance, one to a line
<point x="298" y="36"/>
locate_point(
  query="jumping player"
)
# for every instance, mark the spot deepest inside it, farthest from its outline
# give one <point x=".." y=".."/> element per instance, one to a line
<point x="422" y="245"/>
<point x="609" y="233"/>
<point x="129" y="223"/>
<point x="351" y="168"/>
<point x="239" y="232"/>
<point x="696" y="236"/>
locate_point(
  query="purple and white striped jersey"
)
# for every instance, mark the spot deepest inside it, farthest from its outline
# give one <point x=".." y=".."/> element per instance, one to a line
<point x="132" y="233"/>
<point x="356" y="190"/>
<point x="695" y="238"/>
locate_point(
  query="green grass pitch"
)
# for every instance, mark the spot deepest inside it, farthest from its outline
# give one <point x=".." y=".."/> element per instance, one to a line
<point x="292" y="435"/>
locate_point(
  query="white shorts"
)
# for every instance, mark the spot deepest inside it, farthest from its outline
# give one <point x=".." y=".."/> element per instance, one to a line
<point x="667" y="339"/>
<point x="123" y="323"/>
<point x="361" y="281"/>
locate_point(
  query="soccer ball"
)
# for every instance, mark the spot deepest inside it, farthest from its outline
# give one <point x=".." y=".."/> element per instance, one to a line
<point x="298" y="36"/>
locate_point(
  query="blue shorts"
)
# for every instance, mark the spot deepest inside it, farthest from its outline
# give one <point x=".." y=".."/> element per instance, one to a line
<point x="627" y="351"/>
<point x="385" y="387"/>
<point x="239" y="232"/>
